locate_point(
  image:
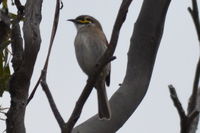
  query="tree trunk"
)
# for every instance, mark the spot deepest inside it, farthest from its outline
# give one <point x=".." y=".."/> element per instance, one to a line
<point x="20" y="80"/>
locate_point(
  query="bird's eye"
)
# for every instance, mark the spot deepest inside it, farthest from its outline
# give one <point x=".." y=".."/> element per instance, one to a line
<point x="85" y="21"/>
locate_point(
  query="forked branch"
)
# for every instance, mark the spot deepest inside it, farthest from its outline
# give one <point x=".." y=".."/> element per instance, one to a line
<point x="190" y="121"/>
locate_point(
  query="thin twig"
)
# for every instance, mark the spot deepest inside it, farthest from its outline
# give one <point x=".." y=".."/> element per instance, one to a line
<point x="52" y="104"/>
<point x="189" y="122"/>
<point x="177" y="102"/>
<point x="53" y="32"/>
<point x="34" y="90"/>
<point x="195" y="16"/>
<point x="62" y="5"/>
<point x="42" y="78"/>
<point x="193" y="105"/>
<point x="44" y="71"/>
<point x="193" y="99"/>
<point x="54" y="29"/>
<point x="79" y="106"/>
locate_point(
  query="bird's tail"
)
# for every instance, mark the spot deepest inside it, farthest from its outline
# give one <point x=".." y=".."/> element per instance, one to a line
<point x="103" y="104"/>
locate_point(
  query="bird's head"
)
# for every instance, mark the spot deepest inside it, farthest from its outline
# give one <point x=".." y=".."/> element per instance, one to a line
<point x="85" y="20"/>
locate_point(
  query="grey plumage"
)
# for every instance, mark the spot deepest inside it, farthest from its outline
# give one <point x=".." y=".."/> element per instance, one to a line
<point x="90" y="44"/>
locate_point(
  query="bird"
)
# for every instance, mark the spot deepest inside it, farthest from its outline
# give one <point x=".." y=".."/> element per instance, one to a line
<point x="90" y="45"/>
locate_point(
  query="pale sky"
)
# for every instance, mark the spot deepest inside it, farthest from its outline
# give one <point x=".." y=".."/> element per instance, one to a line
<point x="175" y="64"/>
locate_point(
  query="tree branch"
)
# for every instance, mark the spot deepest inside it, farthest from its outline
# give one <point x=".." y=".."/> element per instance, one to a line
<point x="20" y="80"/>
<point x="195" y="16"/>
<point x="54" y="29"/>
<point x="177" y="102"/>
<point x="42" y="78"/>
<point x="141" y="57"/>
<point x="34" y="90"/>
<point x="189" y="122"/>
<point x="195" y="97"/>
<point x="51" y="102"/>
<point x="83" y="97"/>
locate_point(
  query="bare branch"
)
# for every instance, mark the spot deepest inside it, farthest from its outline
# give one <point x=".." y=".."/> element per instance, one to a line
<point x="190" y="121"/>
<point x="193" y="98"/>
<point x="53" y="33"/>
<point x="177" y="102"/>
<point x="121" y="17"/>
<point x="54" y="29"/>
<point x="194" y="102"/>
<point x="34" y="90"/>
<point x="42" y="78"/>
<point x="195" y="16"/>
<point x="83" y="97"/>
<point x="52" y="104"/>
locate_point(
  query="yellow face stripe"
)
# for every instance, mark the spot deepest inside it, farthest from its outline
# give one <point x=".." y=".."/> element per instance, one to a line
<point x="84" y="21"/>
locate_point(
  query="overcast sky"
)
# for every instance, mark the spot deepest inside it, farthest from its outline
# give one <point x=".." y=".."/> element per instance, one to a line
<point x="175" y="64"/>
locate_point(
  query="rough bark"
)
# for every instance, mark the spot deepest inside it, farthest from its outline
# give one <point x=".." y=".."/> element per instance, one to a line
<point x="16" y="45"/>
<point x="4" y="28"/>
<point x="145" y="41"/>
<point x="20" y="80"/>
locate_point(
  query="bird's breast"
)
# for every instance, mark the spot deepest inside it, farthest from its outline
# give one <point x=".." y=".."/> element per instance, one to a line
<point x="89" y="48"/>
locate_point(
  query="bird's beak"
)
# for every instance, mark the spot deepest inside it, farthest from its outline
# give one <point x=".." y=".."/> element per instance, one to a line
<point x="72" y="20"/>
